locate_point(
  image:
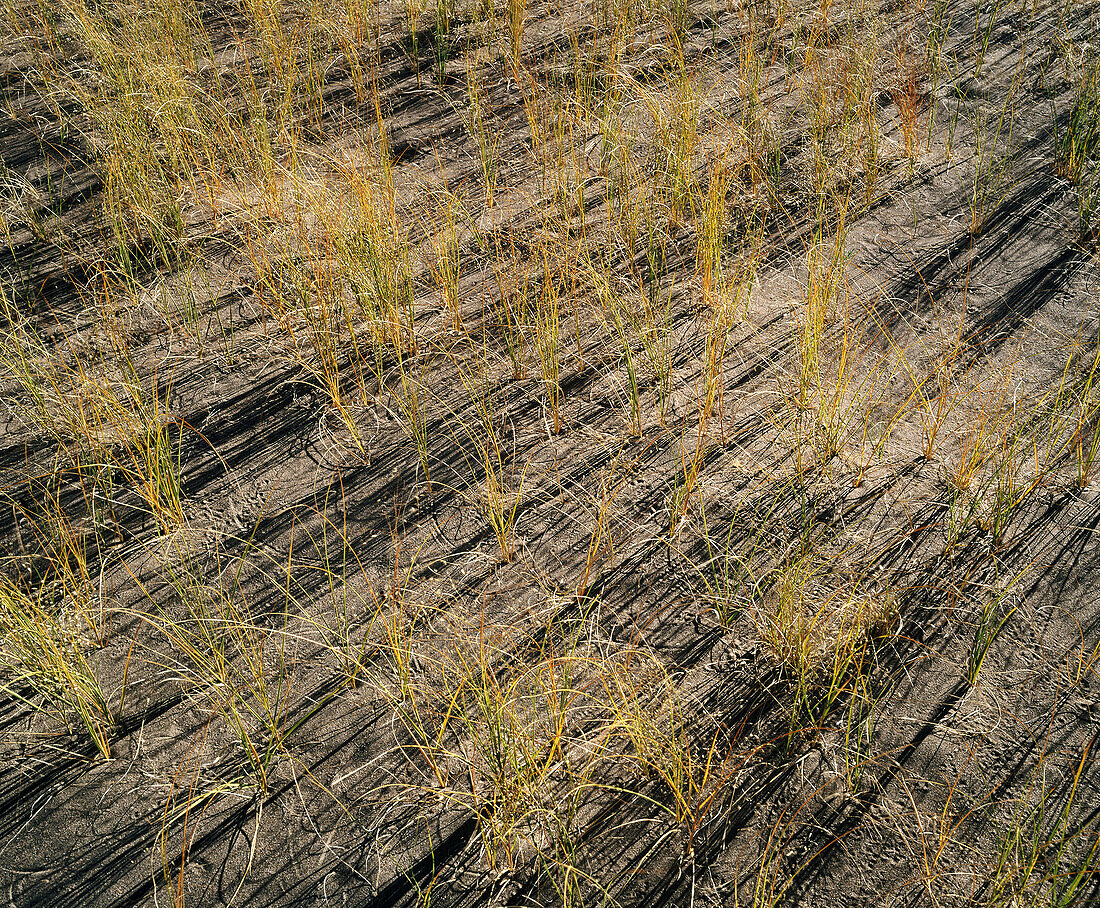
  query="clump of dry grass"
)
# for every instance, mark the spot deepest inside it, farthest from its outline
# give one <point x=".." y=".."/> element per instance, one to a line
<point x="42" y="656"/>
<point x="819" y="629"/>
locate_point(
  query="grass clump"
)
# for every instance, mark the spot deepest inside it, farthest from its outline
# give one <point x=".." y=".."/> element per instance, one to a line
<point x="42" y="655"/>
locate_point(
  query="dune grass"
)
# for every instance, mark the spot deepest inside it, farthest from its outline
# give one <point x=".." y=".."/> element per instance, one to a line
<point x="641" y="243"/>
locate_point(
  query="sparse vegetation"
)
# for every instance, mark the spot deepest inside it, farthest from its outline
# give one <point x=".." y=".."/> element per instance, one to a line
<point x="548" y="454"/>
